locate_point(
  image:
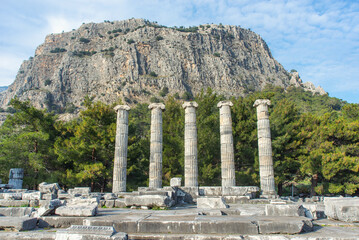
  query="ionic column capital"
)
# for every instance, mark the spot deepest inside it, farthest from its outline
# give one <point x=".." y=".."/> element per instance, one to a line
<point x="261" y="102"/>
<point x="189" y="104"/>
<point x="157" y="105"/>
<point x="224" y="103"/>
<point x="122" y="107"/>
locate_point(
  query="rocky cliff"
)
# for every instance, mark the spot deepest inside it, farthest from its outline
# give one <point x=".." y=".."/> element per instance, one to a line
<point x="136" y="60"/>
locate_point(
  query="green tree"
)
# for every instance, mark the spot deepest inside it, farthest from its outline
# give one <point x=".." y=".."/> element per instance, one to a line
<point x="26" y="142"/>
<point x="86" y="146"/>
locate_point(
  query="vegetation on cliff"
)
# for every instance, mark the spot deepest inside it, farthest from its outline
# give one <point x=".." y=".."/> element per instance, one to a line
<point x="315" y="143"/>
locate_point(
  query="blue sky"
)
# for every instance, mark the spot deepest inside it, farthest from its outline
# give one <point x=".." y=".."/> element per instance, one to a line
<point x="320" y="39"/>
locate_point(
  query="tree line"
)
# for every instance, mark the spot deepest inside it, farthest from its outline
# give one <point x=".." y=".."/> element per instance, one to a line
<point x="315" y="142"/>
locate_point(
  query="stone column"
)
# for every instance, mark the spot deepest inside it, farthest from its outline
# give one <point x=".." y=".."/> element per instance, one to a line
<point x="266" y="170"/>
<point x="190" y="145"/>
<point x="156" y="145"/>
<point x="16" y="176"/>
<point x="227" y="151"/>
<point x="120" y="164"/>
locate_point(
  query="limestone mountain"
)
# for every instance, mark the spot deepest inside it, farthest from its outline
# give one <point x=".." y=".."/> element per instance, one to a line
<point x="136" y="60"/>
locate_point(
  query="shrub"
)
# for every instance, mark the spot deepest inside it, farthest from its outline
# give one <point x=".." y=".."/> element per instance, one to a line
<point x="58" y="50"/>
<point x="187" y="96"/>
<point x="164" y="92"/>
<point x="159" y="38"/>
<point x="154" y="100"/>
<point x="110" y="37"/>
<point x="47" y="82"/>
<point x="293" y="70"/>
<point x="216" y="54"/>
<point x="130" y="41"/>
<point x="84" y="40"/>
<point x="153" y="74"/>
<point x="177" y="96"/>
<point x="83" y="53"/>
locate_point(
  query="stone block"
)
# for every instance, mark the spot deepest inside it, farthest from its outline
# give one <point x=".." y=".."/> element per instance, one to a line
<point x="36" y="195"/>
<point x="18" y="223"/>
<point x="14" y="203"/>
<point x="48" y="196"/>
<point x="45" y="187"/>
<point x="149" y="201"/>
<point x="12" y="196"/>
<point x="59" y="222"/>
<point x="61" y="194"/>
<point x="83" y="201"/>
<point x="48" y="208"/>
<point x="80" y="191"/>
<point x="16" y="211"/>
<point x="251" y="191"/>
<point x="77" y="211"/>
<point x="283" y="210"/>
<point x="176" y="182"/>
<point x="109" y="196"/>
<point x="284" y="226"/>
<point x="237" y="199"/>
<point x="342" y="209"/>
<point x="110" y="203"/>
<point x="314" y="211"/>
<point x="90" y="232"/>
<point x="120" y="203"/>
<point x="211" y="202"/>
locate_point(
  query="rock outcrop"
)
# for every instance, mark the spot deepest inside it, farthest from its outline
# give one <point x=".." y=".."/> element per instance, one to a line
<point x="296" y="81"/>
<point x="135" y="60"/>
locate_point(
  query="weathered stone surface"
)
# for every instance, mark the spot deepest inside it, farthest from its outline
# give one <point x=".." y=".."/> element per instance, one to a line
<point x="18" y="223"/>
<point x="110" y="203"/>
<point x="289" y="226"/>
<point x="109" y="196"/>
<point x="227" y="150"/>
<point x="48" y="196"/>
<point x="48" y="208"/>
<point x="16" y="211"/>
<point x="83" y="201"/>
<point x="120" y="203"/>
<point x="61" y="194"/>
<point x="77" y="211"/>
<point x="211" y="202"/>
<point x="175" y="182"/>
<point x="59" y="222"/>
<point x="79" y="191"/>
<point x="342" y="209"/>
<point x="266" y="170"/>
<point x="155" y="169"/>
<point x="45" y="187"/>
<point x="284" y="210"/>
<point x="14" y="203"/>
<point x="80" y="232"/>
<point x="12" y="196"/>
<point x="36" y="195"/>
<point x="121" y="141"/>
<point x="149" y="201"/>
<point x="190" y="145"/>
<point x="314" y="211"/>
<point x="15" y="177"/>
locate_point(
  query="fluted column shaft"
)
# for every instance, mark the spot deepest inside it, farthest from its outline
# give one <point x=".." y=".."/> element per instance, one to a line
<point x="190" y="145"/>
<point x="266" y="170"/>
<point x="156" y="145"/>
<point x="120" y="163"/>
<point x="227" y="151"/>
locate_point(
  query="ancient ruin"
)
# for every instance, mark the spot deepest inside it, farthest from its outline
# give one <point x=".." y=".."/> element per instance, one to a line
<point x="227" y="151"/>
<point x="190" y="145"/>
<point x="120" y="162"/>
<point x="190" y="211"/>
<point x="266" y="170"/>
<point x="156" y="145"/>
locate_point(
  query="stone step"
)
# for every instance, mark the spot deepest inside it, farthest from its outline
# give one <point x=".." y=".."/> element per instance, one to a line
<point x="194" y="224"/>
